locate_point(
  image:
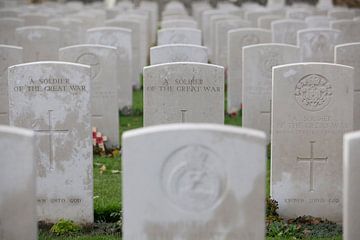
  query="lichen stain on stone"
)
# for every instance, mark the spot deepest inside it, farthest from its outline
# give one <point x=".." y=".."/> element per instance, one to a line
<point x="232" y="220"/>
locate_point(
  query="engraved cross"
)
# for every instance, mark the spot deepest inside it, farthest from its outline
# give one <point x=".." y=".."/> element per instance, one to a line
<point x="183" y="111"/>
<point x="312" y="159"/>
<point x="50" y="131"/>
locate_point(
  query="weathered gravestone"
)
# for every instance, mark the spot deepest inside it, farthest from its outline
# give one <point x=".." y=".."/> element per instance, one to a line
<point x="179" y="23"/>
<point x="298" y="13"/>
<point x="104" y="108"/>
<point x="318" y="21"/>
<point x="142" y="36"/>
<point x="34" y="19"/>
<point x="213" y="34"/>
<point x="138" y="54"/>
<point x="179" y="35"/>
<point x="39" y="43"/>
<point x="121" y="39"/>
<point x="198" y="182"/>
<point x="183" y="92"/>
<point x="350" y="30"/>
<point x="221" y="38"/>
<point x="317" y="45"/>
<point x="17" y="185"/>
<point x="351" y="186"/>
<point x="8" y="12"/>
<point x="340" y="14"/>
<point x="239" y="38"/>
<point x="312" y="107"/>
<point x="178" y="53"/>
<point x="9" y="55"/>
<point x="349" y="54"/>
<point x="285" y="31"/>
<point x="72" y="32"/>
<point x="258" y="60"/>
<point x="265" y="21"/>
<point x="7" y="30"/>
<point x="53" y="99"/>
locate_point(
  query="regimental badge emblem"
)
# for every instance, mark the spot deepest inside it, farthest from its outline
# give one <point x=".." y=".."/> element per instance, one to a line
<point x="313" y="92"/>
<point x="193" y="178"/>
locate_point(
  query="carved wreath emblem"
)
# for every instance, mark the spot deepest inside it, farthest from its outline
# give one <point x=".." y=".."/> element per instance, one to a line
<point x="313" y="92"/>
<point x="193" y="178"/>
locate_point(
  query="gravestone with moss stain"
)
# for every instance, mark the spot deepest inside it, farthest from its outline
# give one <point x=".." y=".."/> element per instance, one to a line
<point x="196" y="182"/>
<point x="183" y="92"/>
<point x="312" y="108"/>
<point x="103" y="63"/>
<point x="53" y="99"/>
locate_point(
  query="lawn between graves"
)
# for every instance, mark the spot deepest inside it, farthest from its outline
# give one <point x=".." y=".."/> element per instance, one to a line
<point x="107" y="189"/>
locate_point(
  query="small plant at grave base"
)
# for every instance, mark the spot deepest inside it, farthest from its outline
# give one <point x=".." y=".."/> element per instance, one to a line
<point x="271" y="211"/>
<point x="118" y="223"/>
<point x="317" y="227"/>
<point x="64" y="226"/>
<point x="283" y="230"/>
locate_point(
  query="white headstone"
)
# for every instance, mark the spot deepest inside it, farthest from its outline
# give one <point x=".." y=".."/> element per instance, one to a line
<point x="325" y="4"/>
<point x="121" y="39"/>
<point x="258" y="60"/>
<point x="34" y="19"/>
<point x="72" y="32"/>
<point x="265" y="21"/>
<point x="253" y="16"/>
<point x="9" y="55"/>
<point x="349" y="54"/>
<point x="39" y="43"/>
<point x="285" y="31"/>
<point x="17" y="184"/>
<point x="221" y="38"/>
<point x="312" y="108"/>
<point x="178" y="53"/>
<point x="8" y="12"/>
<point x="138" y="46"/>
<point x="104" y="107"/>
<point x="7" y="30"/>
<point x="351" y="220"/>
<point x="179" y="23"/>
<point x="179" y="35"/>
<point x="350" y="30"/>
<point x="183" y="92"/>
<point x="298" y="13"/>
<point x="53" y="99"/>
<point x="318" y="21"/>
<point x="239" y="38"/>
<point x="317" y="45"/>
<point x="339" y="14"/>
<point x="194" y="189"/>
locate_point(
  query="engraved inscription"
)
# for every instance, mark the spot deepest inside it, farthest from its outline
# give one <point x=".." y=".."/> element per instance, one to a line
<point x="312" y="159"/>
<point x="313" y="92"/>
<point x="249" y="39"/>
<point x="50" y="131"/>
<point x="193" y="178"/>
<point x="320" y="44"/>
<point x="93" y="61"/>
<point x="268" y="59"/>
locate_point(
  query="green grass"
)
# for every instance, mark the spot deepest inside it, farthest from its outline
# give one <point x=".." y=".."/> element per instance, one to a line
<point x="107" y="185"/>
<point x="107" y="190"/>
